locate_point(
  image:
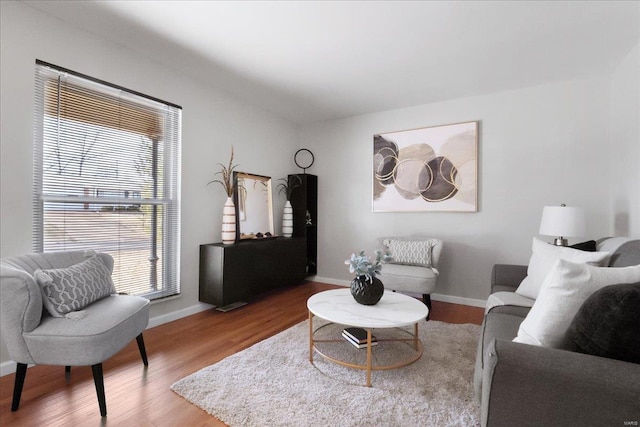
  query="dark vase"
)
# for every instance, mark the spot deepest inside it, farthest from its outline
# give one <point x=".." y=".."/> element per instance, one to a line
<point x="367" y="292"/>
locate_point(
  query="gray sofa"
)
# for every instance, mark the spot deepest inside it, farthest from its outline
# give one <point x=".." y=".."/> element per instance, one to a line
<point x="526" y="385"/>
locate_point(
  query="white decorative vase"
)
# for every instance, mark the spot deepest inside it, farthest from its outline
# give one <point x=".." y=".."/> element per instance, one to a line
<point x="229" y="222"/>
<point x="287" y="220"/>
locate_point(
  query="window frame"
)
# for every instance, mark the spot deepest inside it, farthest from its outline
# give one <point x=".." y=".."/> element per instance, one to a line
<point x="166" y="134"/>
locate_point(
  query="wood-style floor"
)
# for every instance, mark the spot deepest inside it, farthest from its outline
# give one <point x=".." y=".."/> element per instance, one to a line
<point x="141" y="397"/>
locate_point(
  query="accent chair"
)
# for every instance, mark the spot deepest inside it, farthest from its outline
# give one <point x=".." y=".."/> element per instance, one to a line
<point x="414" y="266"/>
<point x="61" y="308"/>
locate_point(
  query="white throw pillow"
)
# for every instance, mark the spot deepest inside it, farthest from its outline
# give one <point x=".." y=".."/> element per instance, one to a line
<point x="411" y="252"/>
<point x="563" y="292"/>
<point x="542" y="259"/>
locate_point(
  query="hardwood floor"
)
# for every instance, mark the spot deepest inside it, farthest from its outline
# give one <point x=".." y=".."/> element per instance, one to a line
<point x="141" y="397"/>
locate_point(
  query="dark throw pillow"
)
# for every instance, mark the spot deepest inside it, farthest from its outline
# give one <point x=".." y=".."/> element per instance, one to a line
<point x="608" y="324"/>
<point x="588" y="246"/>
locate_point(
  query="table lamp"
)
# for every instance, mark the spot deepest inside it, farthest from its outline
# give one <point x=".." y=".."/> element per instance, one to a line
<point x="562" y="221"/>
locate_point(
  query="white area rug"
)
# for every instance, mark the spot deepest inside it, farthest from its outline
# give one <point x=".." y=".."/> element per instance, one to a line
<point x="273" y="383"/>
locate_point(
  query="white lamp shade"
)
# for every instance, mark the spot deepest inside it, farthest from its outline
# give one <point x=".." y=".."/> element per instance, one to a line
<point x="565" y="221"/>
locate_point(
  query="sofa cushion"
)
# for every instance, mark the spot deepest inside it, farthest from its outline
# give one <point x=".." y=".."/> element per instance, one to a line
<point x="563" y="292"/>
<point x="608" y="324"/>
<point x="408" y="271"/>
<point x="65" y="290"/>
<point x="108" y="326"/>
<point x="501" y="323"/>
<point x="500" y="326"/>
<point x="627" y="254"/>
<point x="507" y="298"/>
<point x="410" y="252"/>
<point x="624" y="250"/>
<point x="542" y="259"/>
<point x="408" y="278"/>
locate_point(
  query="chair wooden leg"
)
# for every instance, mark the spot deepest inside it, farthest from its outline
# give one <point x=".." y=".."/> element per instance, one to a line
<point x="426" y="299"/>
<point x="99" y="382"/>
<point x="21" y="373"/>
<point x="143" y="351"/>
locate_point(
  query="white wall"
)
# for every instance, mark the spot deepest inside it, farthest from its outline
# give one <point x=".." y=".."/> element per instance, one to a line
<point x="625" y="146"/>
<point x="538" y="146"/>
<point x="212" y="122"/>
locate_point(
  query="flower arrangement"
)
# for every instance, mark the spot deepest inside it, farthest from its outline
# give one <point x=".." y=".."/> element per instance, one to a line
<point x="226" y="179"/>
<point x="362" y="265"/>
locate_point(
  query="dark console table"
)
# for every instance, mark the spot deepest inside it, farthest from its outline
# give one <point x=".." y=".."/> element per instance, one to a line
<point x="238" y="272"/>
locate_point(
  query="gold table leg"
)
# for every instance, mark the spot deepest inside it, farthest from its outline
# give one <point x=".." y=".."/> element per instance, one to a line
<point x="417" y="344"/>
<point x="310" y="336"/>
<point x="368" y="357"/>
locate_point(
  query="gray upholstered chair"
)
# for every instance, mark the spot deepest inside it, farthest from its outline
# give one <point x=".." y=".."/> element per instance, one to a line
<point x="414" y="267"/>
<point x="84" y="335"/>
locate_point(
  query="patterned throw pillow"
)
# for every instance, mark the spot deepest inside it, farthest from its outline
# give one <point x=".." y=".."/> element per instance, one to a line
<point x="65" y="290"/>
<point x="410" y="252"/>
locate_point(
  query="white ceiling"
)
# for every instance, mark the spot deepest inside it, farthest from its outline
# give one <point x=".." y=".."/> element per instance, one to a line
<point x="310" y="61"/>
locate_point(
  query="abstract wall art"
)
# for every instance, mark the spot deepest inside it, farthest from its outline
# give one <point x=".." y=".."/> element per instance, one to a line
<point x="433" y="169"/>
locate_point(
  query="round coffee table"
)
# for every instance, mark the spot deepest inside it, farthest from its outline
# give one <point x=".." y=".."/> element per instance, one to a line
<point x="393" y="311"/>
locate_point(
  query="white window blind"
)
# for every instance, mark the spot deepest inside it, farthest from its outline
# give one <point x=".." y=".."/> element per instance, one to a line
<point x="107" y="178"/>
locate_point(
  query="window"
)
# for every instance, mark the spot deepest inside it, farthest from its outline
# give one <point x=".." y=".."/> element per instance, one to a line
<point x="107" y="177"/>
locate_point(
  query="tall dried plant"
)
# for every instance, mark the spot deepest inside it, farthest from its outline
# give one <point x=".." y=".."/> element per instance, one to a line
<point x="287" y="186"/>
<point x="226" y="176"/>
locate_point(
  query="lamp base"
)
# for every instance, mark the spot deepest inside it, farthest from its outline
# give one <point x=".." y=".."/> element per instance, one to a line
<point x="561" y="241"/>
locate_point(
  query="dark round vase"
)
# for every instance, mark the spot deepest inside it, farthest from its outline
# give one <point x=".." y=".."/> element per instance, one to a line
<point x="367" y="292"/>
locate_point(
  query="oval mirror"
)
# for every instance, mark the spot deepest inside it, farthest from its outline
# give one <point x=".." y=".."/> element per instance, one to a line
<point x="254" y="210"/>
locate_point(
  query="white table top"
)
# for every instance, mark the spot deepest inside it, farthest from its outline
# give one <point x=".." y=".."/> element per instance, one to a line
<point x="393" y="310"/>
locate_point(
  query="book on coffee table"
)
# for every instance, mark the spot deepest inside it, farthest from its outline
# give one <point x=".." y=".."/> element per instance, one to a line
<point x="358" y="337"/>
<point x="359" y="345"/>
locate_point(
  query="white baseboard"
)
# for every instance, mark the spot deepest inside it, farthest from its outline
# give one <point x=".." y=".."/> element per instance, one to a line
<point x="175" y="315"/>
<point x="459" y="300"/>
<point x="435" y="297"/>
<point x="9" y="367"/>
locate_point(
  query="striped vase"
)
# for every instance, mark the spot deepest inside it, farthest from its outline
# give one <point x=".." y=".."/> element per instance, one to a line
<point x="287" y="220"/>
<point x="229" y="222"/>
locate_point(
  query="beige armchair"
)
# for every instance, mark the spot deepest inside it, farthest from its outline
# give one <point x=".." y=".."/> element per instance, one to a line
<point x="414" y="267"/>
<point x="60" y="308"/>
